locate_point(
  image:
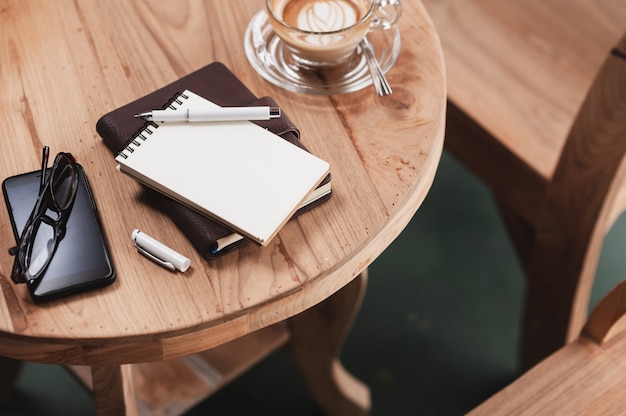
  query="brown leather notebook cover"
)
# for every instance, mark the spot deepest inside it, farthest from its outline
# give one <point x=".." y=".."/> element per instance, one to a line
<point x="218" y="84"/>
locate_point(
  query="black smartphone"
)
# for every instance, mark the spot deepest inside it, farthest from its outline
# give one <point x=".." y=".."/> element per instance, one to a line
<point x="82" y="260"/>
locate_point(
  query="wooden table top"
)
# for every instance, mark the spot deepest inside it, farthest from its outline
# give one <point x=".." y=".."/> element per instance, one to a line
<point x="64" y="64"/>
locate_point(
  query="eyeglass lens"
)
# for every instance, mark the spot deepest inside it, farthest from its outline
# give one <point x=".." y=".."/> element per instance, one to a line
<point x="46" y="227"/>
<point x="44" y="235"/>
<point x="43" y="242"/>
<point x="63" y="184"/>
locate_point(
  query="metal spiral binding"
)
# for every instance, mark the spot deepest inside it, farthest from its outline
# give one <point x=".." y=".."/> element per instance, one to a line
<point x="149" y="128"/>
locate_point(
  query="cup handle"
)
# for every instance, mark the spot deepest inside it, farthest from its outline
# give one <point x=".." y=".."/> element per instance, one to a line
<point x="386" y="14"/>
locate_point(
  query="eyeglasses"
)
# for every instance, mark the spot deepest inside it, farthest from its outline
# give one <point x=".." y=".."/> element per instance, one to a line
<point x="45" y="226"/>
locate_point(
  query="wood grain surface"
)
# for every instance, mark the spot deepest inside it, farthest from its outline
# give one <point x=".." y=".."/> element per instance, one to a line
<point x="64" y="64"/>
<point x="526" y="72"/>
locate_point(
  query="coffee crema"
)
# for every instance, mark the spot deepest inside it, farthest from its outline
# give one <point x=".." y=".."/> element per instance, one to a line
<point x="322" y="15"/>
<point x="320" y="33"/>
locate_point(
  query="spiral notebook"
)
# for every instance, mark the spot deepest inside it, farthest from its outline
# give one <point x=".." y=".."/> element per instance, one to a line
<point x="237" y="173"/>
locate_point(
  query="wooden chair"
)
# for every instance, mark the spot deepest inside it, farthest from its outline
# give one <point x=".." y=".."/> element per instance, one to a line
<point x="518" y="73"/>
<point x="587" y="376"/>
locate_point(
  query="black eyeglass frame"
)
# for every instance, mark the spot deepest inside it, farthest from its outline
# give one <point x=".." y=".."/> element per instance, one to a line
<point x="46" y="200"/>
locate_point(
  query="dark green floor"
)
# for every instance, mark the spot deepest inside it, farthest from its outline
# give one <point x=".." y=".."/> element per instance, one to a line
<point x="436" y="335"/>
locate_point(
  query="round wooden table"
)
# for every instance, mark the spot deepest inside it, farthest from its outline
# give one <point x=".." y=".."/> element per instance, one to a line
<point x="65" y="64"/>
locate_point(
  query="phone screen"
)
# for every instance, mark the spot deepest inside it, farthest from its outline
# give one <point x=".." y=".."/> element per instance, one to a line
<point x="82" y="260"/>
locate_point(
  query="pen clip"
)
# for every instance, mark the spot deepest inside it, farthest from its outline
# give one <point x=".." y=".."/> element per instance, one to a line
<point x="155" y="259"/>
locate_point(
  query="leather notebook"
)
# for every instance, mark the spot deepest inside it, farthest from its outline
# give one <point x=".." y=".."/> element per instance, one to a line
<point x="218" y="84"/>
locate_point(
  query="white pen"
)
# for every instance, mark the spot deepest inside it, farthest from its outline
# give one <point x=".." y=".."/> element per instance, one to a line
<point x="159" y="252"/>
<point x="212" y="114"/>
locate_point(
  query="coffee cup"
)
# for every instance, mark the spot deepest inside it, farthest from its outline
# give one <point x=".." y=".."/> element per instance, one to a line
<point x="321" y="33"/>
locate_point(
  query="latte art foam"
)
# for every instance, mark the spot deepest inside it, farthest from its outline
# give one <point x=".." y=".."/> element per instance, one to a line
<point x="318" y="33"/>
<point x="322" y="15"/>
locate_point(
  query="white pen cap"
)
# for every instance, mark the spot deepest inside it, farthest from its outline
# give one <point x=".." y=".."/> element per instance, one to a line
<point x="160" y="252"/>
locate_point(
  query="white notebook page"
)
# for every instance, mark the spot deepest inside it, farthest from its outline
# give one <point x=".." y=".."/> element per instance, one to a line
<point x="235" y="172"/>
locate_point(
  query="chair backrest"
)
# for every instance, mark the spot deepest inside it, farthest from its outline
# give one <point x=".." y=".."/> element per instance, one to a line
<point x="607" y="317"/>
<point x="597" y="140"/>
<point x="582" y="199"/>
<point x="603" y="118"/>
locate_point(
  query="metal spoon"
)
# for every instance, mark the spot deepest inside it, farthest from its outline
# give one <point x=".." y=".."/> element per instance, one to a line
<point x="378" y="77"/>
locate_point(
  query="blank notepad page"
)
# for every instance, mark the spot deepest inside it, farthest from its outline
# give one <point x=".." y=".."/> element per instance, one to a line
<point x="235" y="172"/>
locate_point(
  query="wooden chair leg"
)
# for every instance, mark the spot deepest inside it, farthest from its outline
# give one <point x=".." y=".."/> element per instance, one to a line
<point x="317" y="337"/>
<point x="557" y="296"/>
<point x="558" y="287"/>
<point x="520" y="231"/>
<point x="113" y="390"/>
<point x="9" y="371"/>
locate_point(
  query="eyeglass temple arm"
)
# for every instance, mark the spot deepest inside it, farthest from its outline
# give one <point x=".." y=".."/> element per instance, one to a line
<point x="45" y="154"/>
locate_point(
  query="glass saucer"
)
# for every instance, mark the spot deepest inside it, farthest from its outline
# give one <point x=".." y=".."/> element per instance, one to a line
<point x="273" y="61"/>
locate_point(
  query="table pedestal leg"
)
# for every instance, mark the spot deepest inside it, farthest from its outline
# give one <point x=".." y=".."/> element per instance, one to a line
<point x="9" y="370"/>
<point x="317" y="336"/>
<point x="113" y="390"/>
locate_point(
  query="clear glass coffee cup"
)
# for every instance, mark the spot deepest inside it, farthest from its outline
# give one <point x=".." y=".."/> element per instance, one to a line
<point x="325" y="33"/>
